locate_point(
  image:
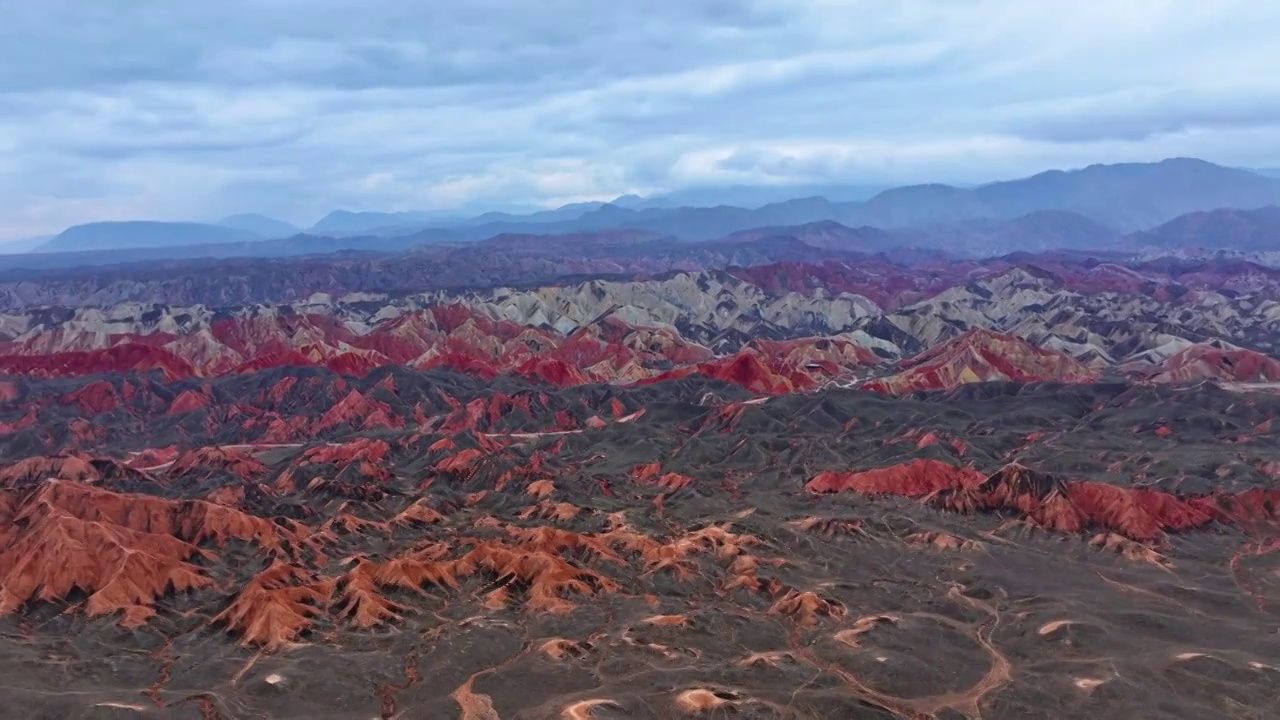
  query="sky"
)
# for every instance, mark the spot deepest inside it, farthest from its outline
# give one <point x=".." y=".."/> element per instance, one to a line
<point x="154" y="109"/>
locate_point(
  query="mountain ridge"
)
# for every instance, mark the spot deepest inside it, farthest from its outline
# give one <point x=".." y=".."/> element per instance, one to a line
<point x="1113" y="199"/>
<point x="259" y="224"/>
<point x="1255" y="230"/>
<point x="137" y="234"/>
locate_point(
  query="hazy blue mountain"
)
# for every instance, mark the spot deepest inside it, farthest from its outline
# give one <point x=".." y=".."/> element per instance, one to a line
<point x="1035" y="232"/>
<point x="749" y="196"/>
<point x="744" y="197"/>
<point x="301" y="244"/>
<point x="1038" y="231"/>
<point x="368" y="223"/>
<point x="831" y="235"/>
<point x="630" y="202"/>
<point x="1126" y="197"/>
<point x="1255" y="230"/>
<point x="262" y="225"/>
<point x="13" y="247"/>
<point x="346" y="222"/>
<point x="1120" y="198"/>
<point x="915" y="206"/>
<point x="1076" y="208"/>
<point x="562" y="213"/>
<point x="142" y="234"/>
<point x="1135" y="196"/>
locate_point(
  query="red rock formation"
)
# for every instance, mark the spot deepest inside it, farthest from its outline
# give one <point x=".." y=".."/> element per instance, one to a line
<point x="917" y="478"/>
<point x="464" y="462"/>
<point x="1252" y="507"/>
<point x="1042" y="499"/>
<point x="651" y="474"/>
<point x="647" y="472"/>
<point x="60" y="537"/>
<point x="30" y="418"/>
<point x="979" y="356"/>
<point x="124" y="358"/>
<point x="1215" y="361"/>
<point x="362" y="602"/>
<point x="777" y="368"/>
<point x="154" y="457"/>
<point x="828" y="527"/>
<point x="1138" y="514"/>
<point x="189" y="401"/>
<point x="200" y="460"/>
<point x="942" y="541"/>
<point x="552" y="371"/>
<point x="357" y="411"/>
<point x="1131" y="550"/>
<point x="540" y="488"/>
<point x="547" y="576"/>
<point x="807" y="607"/>
<point x="73" y="467"/>
<point x="277" y="605"/>
<point x="545" y="510"/>
<point x="94" y="399"/>
<point x="451" y="336"/>
<point x="363" y="450"/>
<point x="193" y="521"/>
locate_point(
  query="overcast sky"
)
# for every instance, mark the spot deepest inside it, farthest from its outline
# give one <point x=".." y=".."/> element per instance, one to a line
<point x="158" y="109"/>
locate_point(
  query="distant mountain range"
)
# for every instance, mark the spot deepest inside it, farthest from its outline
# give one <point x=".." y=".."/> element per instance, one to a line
<point x="261" y="225"/>
<point x="747" y="196"/>
<point x="1124" y="198"/>
<point x="140" y="234"/>
<point x="1222" y="229"/>
<point x="343" y="222"/>
<point x="11" y="247"/>
<point x="1091" y="207"/>
<point x="1244" y="231"/>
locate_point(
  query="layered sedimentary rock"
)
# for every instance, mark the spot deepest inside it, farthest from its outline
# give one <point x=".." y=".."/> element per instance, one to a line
<point x="982" y="356"/>
<point x="797" y="332"/>
<point x="1001" y="489"/>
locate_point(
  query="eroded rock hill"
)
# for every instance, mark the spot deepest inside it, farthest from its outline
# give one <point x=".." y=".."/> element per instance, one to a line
<point x="1067" y="323"/>
<point x="1028" y="487"/>
<point x="276" y="542"/>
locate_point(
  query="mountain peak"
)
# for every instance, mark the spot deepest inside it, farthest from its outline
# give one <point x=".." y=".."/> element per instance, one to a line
<point x="267" y="227"/>
<point x="119" y="234"/>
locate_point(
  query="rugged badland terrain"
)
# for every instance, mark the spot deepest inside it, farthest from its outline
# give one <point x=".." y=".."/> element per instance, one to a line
<point x="793" y="473"/>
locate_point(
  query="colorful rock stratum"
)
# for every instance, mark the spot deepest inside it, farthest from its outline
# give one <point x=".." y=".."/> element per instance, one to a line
<point x="1044" y="486"/>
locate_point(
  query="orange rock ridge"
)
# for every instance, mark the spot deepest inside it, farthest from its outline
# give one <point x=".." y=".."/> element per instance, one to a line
<point x="1067" y="506"/>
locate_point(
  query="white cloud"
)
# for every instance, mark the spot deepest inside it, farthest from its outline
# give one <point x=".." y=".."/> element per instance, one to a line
<point x="295" y="108"/>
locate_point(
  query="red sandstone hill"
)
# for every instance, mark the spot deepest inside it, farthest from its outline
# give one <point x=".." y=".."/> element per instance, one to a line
<point x="780" y="367"/>
<point x="981" y="355"/>
<point x="452" y="337"/>
<point x="406" y="504"/>
<point x="438" y="513"/>
<point x="1050" y="502"/>
<point x="1215" y="361"/>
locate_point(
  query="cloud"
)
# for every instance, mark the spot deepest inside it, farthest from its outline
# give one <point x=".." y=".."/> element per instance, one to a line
<point x="155" y="109"/>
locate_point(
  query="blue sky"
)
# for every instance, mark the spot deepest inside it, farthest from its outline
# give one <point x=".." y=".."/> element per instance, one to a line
<point x="180" y="110"/>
